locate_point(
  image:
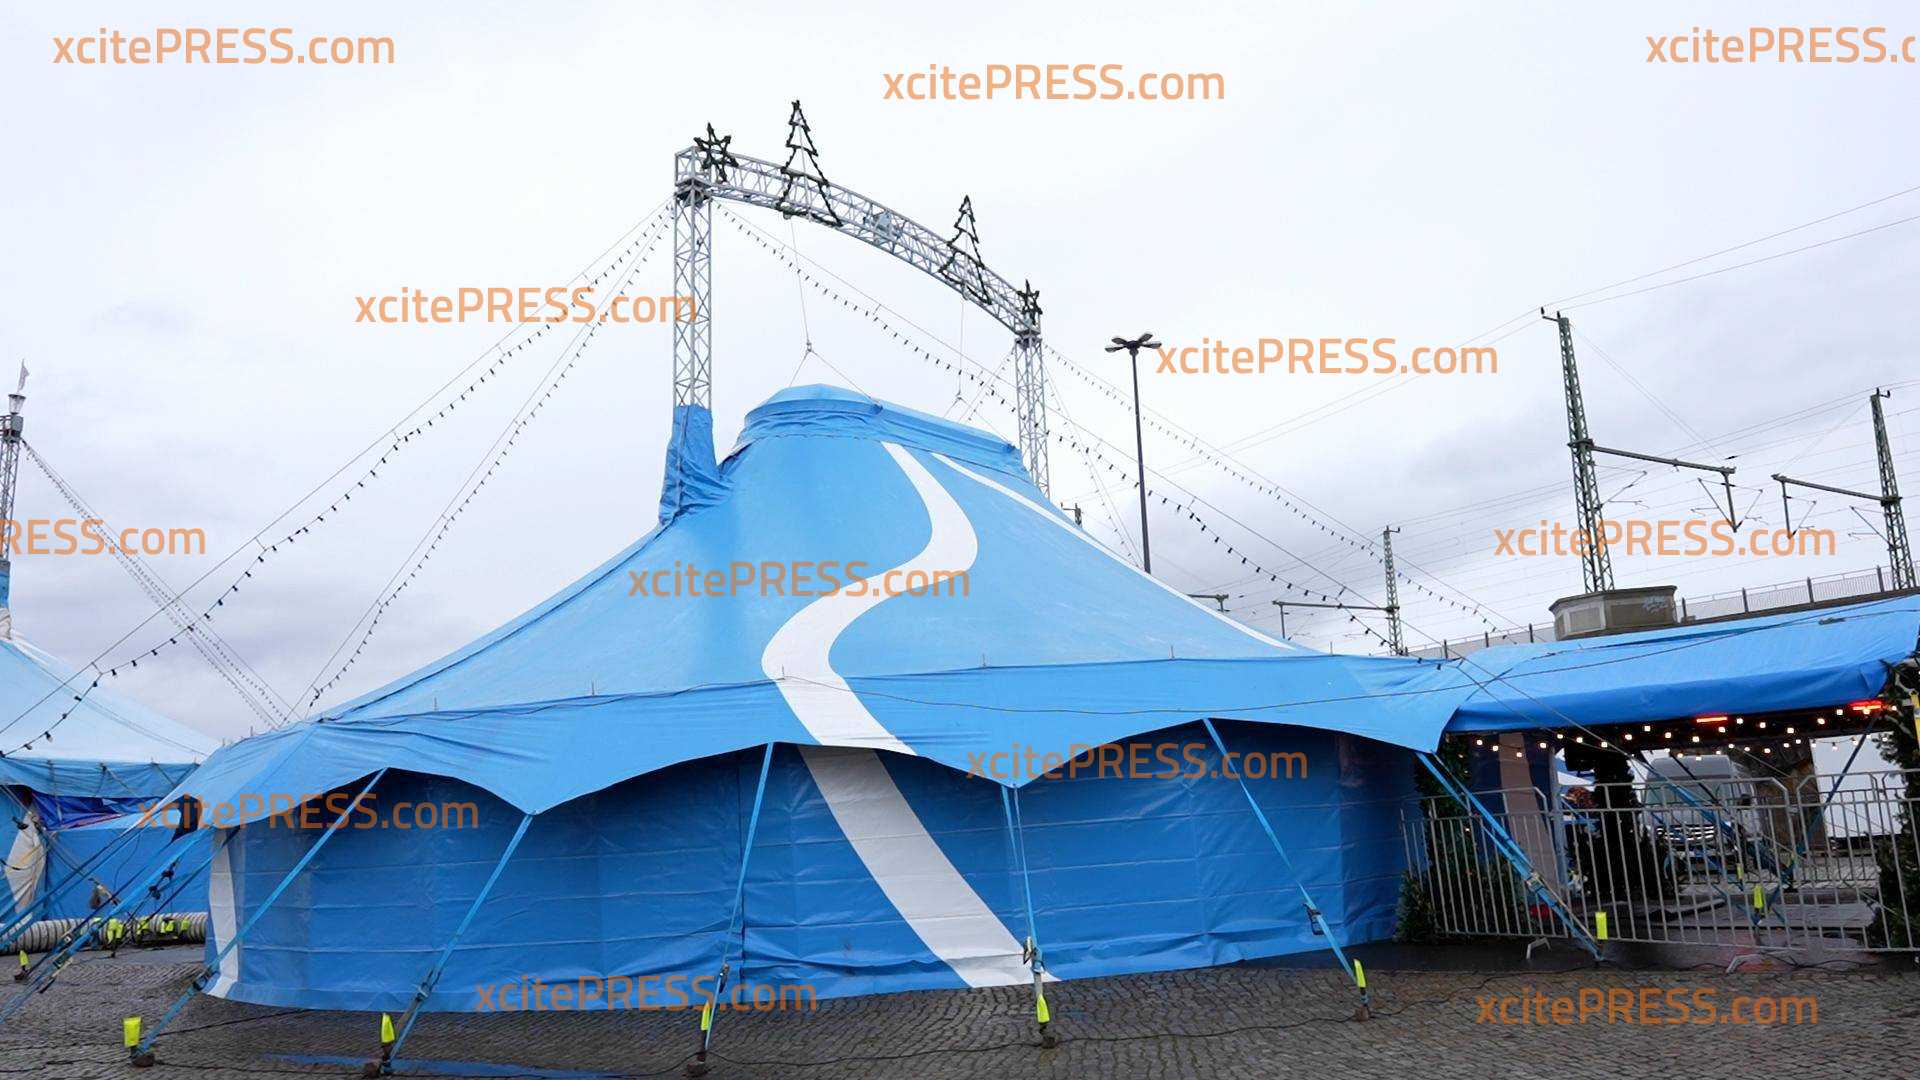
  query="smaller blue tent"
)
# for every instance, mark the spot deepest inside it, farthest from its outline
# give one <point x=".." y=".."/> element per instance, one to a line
<point x="69" y="795"/>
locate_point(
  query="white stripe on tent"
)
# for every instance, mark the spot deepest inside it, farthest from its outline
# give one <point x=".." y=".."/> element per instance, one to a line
<point x="908" y="865"/>
<point x="803" y="645"/>
<point x="1057" y="520"/>
<point x="902" y="857"/>
<point x="225" y="923"/>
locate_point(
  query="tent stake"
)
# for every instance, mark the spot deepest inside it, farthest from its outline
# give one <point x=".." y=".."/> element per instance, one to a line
<point x="383" y="1066"/>
<point x="1017" y="839"/>
<point x="1314" y="918"/>
<point x="699" y="1065"/>
<point x="141" y="1053"/>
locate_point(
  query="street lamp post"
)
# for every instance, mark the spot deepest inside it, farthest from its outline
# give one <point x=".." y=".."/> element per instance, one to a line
<point x="1133" y="347"/>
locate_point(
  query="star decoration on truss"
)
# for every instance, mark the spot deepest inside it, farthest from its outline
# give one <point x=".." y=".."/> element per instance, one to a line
<point x="1029" y="298"/>
<point x="715" y="153"/>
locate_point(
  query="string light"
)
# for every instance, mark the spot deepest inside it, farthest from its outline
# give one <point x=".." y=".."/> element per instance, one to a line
<point x="516" y="429"/>
<point x="778" y="250"/>
<point x="649" y="236"/>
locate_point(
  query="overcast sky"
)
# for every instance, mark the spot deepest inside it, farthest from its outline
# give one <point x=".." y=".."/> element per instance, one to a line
<point x="184" y="246"/>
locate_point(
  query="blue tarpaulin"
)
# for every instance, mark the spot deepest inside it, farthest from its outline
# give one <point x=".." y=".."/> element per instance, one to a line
<point x="1768" y="663"/>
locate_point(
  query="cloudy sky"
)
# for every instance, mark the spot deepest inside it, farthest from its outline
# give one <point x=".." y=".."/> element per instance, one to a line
<point x="185" y="243"/>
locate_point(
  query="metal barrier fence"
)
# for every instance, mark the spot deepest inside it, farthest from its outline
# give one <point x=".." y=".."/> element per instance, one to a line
<point x="1759" y="862"/>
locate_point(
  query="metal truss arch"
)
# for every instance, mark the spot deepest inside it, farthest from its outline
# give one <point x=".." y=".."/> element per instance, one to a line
<point x="708" y="170"/>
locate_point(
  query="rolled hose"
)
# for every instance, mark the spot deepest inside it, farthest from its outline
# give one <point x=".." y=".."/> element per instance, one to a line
<point x="179" y="928"/>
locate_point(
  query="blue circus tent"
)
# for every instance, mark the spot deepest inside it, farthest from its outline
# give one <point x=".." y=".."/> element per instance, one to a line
<point x="72" y="798"/>
<point x="604" y="753"/>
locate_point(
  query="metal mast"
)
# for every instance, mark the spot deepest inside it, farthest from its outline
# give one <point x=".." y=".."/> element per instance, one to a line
<point x="694" y="171"/>
<point x="10" y="428"/>
<point x="1899" y="549"/>
<point x="1395" y="641"/>
<point x="1030" y="387"/>
<point x="1596" y="566"/>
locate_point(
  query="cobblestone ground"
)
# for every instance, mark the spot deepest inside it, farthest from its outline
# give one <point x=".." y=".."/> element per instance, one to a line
<point x="1240" y="1021"/>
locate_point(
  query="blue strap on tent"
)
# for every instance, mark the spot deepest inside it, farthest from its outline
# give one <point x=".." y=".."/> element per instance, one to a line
<point x="48" y="967"/>
<point x="77" y="937"/>
<point x="1017" y="839"/>
<point x="1510" y="850"/>
<point x="142" y="1051"/>
<point x="1314" y="916"/>
<point x="389" y="1050"/>
<point x="162" y="905"/>
<point x="736" y="920"/>
<point x="753" y="827"/>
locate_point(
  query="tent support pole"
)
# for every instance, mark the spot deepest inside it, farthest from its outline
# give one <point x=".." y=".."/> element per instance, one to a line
<point x="735" y="925"/>
<point x="49" y="966"/>
<point x="383" y="1066"/>
<point x="1314" y="918"/>
<point x="1510" y="850"/>
<point x="1017" y="839"/>
<point x="141" y="1053"/>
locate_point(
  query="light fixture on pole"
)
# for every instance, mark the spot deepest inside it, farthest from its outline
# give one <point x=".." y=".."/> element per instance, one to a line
<point x="1133" y="347"/>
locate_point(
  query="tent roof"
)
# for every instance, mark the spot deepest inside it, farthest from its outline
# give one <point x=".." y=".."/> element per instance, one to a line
<point x="111" y="746"/>
<point x="1049" y="642"/>
<point x="1770" y="663"/>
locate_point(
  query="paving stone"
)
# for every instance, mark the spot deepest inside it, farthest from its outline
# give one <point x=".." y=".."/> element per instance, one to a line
<point x="1229" y="1022"/>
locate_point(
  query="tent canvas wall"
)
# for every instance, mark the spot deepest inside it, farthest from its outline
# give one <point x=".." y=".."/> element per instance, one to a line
<point x="844" y="896"/>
